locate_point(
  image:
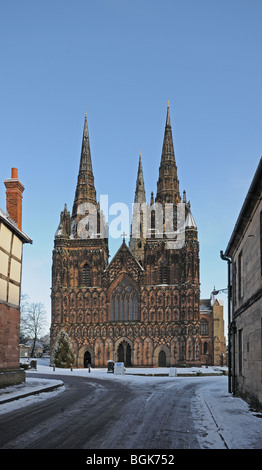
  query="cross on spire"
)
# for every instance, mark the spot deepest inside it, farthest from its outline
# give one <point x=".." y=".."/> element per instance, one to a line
<point x="124" y="235"/>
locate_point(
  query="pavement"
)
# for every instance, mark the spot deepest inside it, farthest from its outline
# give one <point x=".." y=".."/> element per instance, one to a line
<point x="31" y="386"/>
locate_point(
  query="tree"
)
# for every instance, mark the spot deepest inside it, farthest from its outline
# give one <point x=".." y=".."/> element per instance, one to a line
<point x="33" y="322"/>
<point x="63" y="354"/>
<point x="23" y="312"/>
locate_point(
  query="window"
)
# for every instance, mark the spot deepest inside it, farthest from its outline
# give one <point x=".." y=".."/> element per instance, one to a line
<point x="234" y="287"/>
<point x="203" y="327"/>
<point x="124" y="302"/>
<point x="86" y="277"/>
<point x="240" y="352"/>
<point x="240" y="276"/>
<point x="163" y="274"/>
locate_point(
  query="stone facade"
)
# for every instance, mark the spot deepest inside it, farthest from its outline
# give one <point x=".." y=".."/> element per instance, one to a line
<point x="245" y="251"/>
<point x="212" y="331"/>
<point x="142" y="308"/>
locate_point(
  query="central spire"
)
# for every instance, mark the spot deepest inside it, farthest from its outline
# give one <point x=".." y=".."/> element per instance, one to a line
<point x="168" y="184"/>
<point x="85" y="189"/>
<point x="137" y="240"/>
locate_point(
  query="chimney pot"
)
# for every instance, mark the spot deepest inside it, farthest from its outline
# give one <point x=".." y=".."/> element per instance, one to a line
<point x="14" y="173"/>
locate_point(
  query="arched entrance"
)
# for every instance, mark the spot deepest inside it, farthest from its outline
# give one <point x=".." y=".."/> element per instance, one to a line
<point x="87" y="359"/>
<point x="162" y="356"/>
<point x="124" y="353"/>
<point x="162" y="359"/>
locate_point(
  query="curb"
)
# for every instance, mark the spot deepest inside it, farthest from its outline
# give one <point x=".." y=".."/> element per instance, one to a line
<point x="34" y="392"/>
<point x="178" y="375"/>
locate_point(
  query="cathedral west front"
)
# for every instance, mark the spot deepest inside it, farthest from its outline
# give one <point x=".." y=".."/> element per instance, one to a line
<point x="142" y="308"/>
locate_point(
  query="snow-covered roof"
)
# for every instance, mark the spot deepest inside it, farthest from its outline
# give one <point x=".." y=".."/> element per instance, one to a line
<point x="205" y="305"/>
<point x="10" y="223"/>
<point x="190" y="222"/>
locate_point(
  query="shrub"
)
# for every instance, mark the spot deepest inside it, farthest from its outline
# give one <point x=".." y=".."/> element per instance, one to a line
<point x="63" y="354"/>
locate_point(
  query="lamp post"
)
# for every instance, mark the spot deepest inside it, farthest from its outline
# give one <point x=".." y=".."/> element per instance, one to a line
<point x="228" y="291"/>
<point x="215" y="292"/>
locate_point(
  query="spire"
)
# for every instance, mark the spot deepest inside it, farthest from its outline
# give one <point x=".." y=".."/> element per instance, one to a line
<point x="168" y="184"/>
<point x="168" y="147"/>
<point x="85" y="189"/>
<point x="140" y="194"/>
<point x="137" y="240"/>
<point x="85" y="163"/>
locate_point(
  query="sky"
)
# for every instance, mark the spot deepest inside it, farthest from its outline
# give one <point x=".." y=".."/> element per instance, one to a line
<point x="121" y="61"/>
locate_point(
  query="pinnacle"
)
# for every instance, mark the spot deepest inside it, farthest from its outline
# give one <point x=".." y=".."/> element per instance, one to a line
<point x="140" y="194"/>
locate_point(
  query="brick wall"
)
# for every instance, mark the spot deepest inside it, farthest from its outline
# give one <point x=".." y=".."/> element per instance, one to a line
<point x="9" y="336"/>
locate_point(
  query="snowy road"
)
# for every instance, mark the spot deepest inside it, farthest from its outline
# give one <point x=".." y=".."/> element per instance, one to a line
<point x="95" y="414"/>
<point x="124" y="412"/>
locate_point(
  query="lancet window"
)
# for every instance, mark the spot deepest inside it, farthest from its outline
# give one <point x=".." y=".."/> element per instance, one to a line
<point x="86" y="277"/>
<point x="124" y="302"/>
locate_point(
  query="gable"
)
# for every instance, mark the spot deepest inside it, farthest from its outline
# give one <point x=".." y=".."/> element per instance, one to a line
<point x="123" y="263"/>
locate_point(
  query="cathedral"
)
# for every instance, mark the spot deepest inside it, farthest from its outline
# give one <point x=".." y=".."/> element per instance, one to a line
<point x="142" y="308"/>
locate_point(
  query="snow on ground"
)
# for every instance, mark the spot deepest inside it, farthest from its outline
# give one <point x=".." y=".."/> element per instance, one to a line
<point x="219" y="417"/>
<point x="21" y="395"/>
<point x="44" y="367"/>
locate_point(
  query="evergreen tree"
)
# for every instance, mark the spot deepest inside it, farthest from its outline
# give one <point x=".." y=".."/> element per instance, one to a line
<point x="63" y="354"/>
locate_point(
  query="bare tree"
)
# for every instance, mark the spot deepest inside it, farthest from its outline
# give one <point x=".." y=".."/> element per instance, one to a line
<point x="33" y="322"/>
<point x="23" y="317"/>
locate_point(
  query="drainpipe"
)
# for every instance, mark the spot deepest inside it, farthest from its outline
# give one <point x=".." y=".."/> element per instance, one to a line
<point x="225" y="258"/>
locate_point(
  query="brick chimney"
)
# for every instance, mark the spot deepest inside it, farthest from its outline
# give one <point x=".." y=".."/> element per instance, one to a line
<point x="14" y="190"/>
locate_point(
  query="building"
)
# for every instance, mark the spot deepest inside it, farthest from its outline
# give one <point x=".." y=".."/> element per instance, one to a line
<point x="212" y="331"/>
<point x="24" y="351"/>
<point x="142" y="308"/>
<point x="244" y="255"/>
<point x="11" y="250"/>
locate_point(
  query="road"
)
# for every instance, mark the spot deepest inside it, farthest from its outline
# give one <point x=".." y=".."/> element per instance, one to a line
<point x="105" y="414"/>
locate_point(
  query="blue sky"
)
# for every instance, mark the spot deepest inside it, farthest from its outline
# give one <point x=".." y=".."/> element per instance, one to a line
<point x="121" y="61"/>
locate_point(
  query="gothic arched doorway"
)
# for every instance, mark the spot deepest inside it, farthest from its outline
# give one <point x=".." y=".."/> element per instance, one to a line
<point x="124" y="353"/>
<point x="162" y="359"/>
<point x="87" y="359"/>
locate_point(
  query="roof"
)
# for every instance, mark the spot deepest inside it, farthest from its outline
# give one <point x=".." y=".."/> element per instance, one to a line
<point x="252" y="197"/>
<point x="205" y="305"/>
<point x="4" y="217"/>
<point x="190" y="223"/>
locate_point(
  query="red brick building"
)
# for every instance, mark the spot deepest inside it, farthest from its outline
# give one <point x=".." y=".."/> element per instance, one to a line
<point x="142" y="308"/>
<point x="11" y="249"/>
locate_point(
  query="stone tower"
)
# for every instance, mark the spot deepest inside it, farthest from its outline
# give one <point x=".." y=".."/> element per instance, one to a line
<point x="80" y="252"/>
